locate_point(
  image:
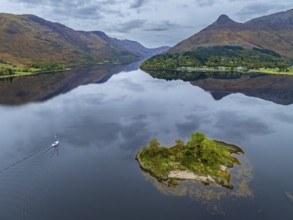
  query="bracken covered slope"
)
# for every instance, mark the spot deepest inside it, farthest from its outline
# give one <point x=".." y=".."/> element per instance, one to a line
<point x="27" y="38"/>
<point x="273" y="32"/>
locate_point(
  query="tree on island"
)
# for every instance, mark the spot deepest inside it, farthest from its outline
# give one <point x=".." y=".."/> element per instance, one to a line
<point x="195" y="139"/>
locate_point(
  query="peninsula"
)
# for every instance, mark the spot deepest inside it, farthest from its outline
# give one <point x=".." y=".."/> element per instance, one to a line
<point x="200" y="159"/>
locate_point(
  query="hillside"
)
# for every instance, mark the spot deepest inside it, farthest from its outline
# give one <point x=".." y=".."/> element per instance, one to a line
<point x="27" y="39"/>
<point x="133" y="47"/>
<point x="222" y="59"/>
<point x="138" y="49"/>
<point x="272" y="32"/>
<point x="263" y="44"/>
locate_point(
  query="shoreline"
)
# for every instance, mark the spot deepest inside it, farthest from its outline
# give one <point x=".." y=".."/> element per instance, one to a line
<point x="189" y="175"/>
<point x="222" y="71"/>
<point x="186" y="175"/>
<point x="34" y="73"/>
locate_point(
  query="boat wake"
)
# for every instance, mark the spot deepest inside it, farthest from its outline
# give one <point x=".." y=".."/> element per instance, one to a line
<point x="21" y="181"/>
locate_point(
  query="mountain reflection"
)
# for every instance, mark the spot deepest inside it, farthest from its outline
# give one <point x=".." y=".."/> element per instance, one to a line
<point x="275" y="88"/>
<point x="22" y="90"/>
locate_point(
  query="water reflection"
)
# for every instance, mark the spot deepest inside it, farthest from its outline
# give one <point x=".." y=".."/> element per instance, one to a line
<point x="22" y="181"/>
<point x="21" y="90"/>
<point x="289" y="195"/>
<point x="135" y="132"/>
<point x="240" y="127"/>
<point x="27" y="158"/>
<point x="212" y="196"/>
<point x="284" y="117"/>
<point x="95" y="132"/>
<point x="275" y="88"/>
<point x="102" y="126"/>
<point x="191" y="123"/>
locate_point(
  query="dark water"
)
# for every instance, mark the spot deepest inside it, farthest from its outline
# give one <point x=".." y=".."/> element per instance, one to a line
<point x="101" y="126"/>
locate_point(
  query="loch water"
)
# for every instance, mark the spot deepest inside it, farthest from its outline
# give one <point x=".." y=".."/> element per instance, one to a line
<point x="104" y="114"/>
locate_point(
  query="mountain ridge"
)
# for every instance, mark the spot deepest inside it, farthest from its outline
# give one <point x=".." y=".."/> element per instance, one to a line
<point x="273" y="32"/>
<point x="132" y="46"/>
<point x="27" y="39"/>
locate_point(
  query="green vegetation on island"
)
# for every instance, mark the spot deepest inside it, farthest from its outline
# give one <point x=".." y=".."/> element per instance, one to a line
<point x="200" y="159"/>
<point x="221" y="59"/>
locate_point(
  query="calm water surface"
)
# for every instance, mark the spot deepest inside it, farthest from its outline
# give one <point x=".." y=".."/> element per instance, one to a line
<point x="101" y="126"/>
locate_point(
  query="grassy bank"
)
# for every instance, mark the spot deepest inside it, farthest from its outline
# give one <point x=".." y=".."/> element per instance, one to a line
<point x="9" y="70"/>
<point x="288" y="71"/>
<point x="274" y="71"/>
<point x="35" y="72"/>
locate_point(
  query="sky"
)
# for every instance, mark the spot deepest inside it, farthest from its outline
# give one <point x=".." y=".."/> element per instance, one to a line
<point x="151" y="22"/>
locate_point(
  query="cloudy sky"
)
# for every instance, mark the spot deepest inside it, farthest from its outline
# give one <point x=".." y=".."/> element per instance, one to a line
<point x="151" y="22"/>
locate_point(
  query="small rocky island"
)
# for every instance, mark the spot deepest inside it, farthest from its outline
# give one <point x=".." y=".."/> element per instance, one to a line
<point x="200" y="159"/>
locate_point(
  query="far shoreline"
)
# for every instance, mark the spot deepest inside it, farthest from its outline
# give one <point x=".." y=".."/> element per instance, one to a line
<point x="34" y="73"/>
<point x="66" y="68"/>
<point x="203" y="70"/>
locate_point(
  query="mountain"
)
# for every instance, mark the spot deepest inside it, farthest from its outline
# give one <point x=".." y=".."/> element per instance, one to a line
<point x="133" y="47"/>
<point x="273" y="32"/>
<point x="27" y="39"/>
<point x="138" y="49"/>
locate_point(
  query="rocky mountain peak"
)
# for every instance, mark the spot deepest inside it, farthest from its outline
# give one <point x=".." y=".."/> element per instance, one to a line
<point x="223" y="21"/>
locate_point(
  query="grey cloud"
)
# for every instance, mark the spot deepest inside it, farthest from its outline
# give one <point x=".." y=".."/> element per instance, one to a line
<point x="163" y="26"/>
<point x="148" y="21"/>
<point x="52" y="2"/>
<point x="86" y="12"/>
<point x="138" y="3"/>
<point x="203" y="3"/>
<point x="256" y="9"/>
<point x="67" y="2"/>
<point x="130" y="25"/>
<point x="75" y="9"/>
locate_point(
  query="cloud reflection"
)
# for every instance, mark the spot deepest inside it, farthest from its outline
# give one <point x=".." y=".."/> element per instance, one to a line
<point x="192" y="124"/>
<point x="233" y="124"/>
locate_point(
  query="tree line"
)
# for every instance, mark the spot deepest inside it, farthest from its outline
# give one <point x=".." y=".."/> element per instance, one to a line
<point x="220" y="56"/>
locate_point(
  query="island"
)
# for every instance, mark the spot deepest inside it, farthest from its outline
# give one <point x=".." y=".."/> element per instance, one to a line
<point x="200" y="159"/>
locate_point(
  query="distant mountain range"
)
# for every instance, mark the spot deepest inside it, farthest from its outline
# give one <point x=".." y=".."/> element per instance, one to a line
<point x="27" y="39"/>
<point x="273" y="32"/>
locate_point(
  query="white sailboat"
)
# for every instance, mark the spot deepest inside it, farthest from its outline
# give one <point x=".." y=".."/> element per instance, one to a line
<point x="56" y="143"/>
